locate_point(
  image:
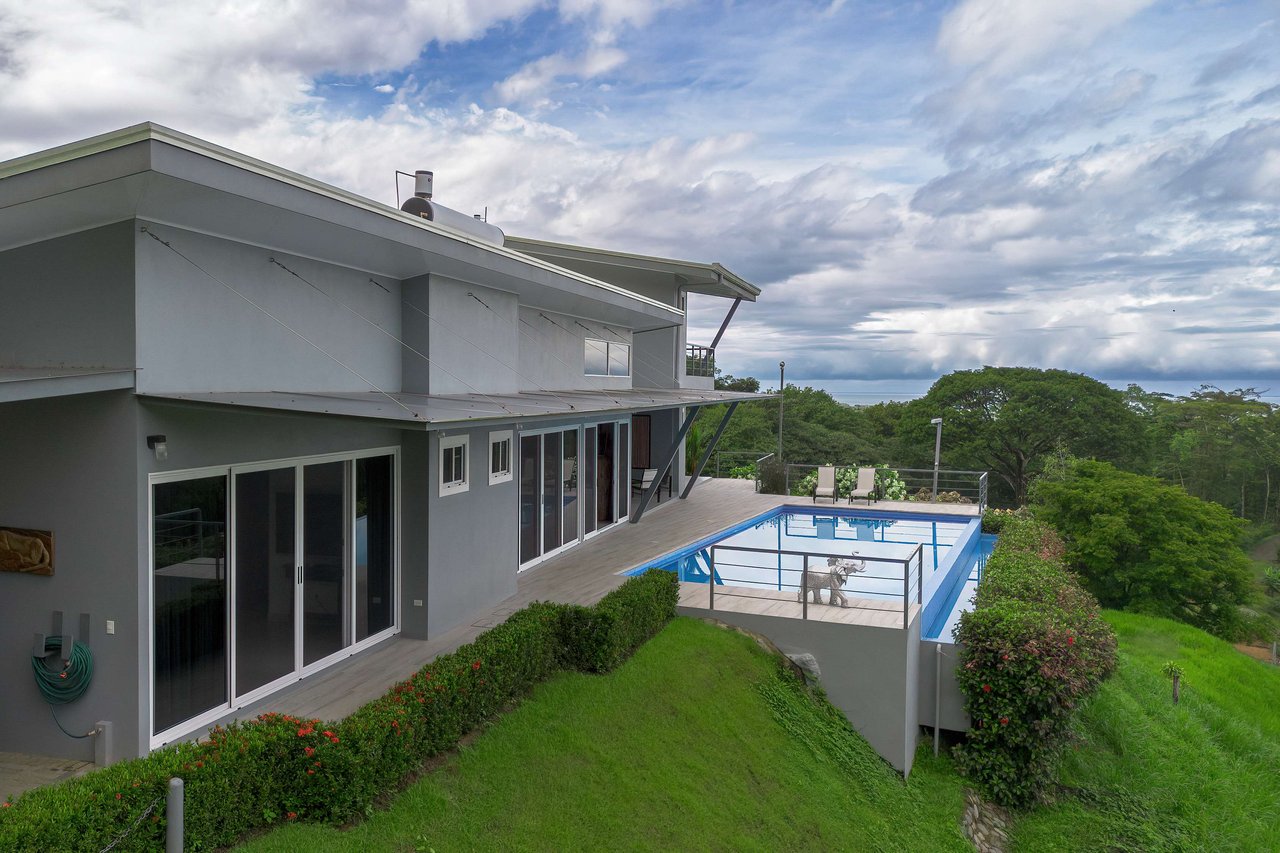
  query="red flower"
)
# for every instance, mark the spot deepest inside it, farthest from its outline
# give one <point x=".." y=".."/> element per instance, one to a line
<point x="292" y="815"/>
<point x="6" y="804"/>
<point x="309" y="751"/>
<point x="118" y="796"/>
<point x="1071" y="641"/>
<point x="1004" y="721"/>
<point x="986" y="688"/>
<point x="311" y="772"/>
<point x="1004" y="657"/>
<point x="475" y="665"/>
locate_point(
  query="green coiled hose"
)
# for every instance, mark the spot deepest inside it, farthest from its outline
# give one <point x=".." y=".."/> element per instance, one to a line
<point x="60" y="686"/>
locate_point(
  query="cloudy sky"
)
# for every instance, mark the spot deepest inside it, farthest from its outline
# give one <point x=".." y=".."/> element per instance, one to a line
<point x="918" y="187"/>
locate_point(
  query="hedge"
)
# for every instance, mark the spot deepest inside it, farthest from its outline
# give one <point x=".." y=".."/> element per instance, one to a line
<point x="277" y="768"/>
<point x="1032" y="649"/>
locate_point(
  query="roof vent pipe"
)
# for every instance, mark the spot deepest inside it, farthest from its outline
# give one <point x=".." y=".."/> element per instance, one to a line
<point x="422" y="181"/>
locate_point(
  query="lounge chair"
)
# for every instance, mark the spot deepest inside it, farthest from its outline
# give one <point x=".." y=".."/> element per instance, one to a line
<point x="866" y="486"/>
<point x="642" y="478"/>
<point x="826" y="485"/>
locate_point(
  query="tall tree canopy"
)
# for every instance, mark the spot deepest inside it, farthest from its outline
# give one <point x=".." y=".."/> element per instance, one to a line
<point x="1006" y="419"/>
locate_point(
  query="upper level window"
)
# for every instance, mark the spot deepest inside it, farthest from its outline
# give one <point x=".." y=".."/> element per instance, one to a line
<point x="454" y="453"/>
<point x="607" y="358"/>
<point x="499" y="457"/>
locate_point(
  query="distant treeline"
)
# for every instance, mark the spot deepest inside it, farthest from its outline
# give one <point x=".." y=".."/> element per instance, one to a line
<point x="1220" y="445"/>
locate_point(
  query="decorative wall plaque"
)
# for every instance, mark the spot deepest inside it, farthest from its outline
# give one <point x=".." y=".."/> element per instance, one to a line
<point x="26" y="551"/>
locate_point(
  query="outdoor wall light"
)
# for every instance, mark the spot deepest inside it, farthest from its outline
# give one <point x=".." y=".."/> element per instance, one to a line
<point x="159" y="445"/>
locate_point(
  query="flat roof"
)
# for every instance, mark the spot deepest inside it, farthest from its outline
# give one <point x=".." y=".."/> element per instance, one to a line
<point x="34" y="383"/>
<point x="713" y="279"/>
<point x="430" y="411"/>
<point x="153" y="173"/>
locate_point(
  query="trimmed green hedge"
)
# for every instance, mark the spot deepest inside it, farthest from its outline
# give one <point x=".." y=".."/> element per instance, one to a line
<point x="276" y="767"/>
<point x="1033" y="648"/>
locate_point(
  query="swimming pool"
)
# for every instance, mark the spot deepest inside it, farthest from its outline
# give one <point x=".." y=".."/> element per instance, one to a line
<point x="922" y="558"/>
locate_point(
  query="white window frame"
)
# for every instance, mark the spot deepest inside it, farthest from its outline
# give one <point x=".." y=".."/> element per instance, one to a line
<point x="609" y="346"/>
<point x="450" y="442"/>
<point x="496" y="438"/>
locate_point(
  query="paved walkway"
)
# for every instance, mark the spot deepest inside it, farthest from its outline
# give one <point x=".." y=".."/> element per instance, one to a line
<point x="20" y="772"/>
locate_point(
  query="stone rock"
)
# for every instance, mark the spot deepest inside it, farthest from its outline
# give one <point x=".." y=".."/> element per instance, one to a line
<point x="808" y="664"/>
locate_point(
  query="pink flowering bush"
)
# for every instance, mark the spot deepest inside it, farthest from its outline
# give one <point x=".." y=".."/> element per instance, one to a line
<point x="1032" y="649"/>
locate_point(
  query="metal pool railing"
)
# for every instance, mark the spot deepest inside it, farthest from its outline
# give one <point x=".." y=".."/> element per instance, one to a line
<point x="955" y="487"/>
<point x="885" y="585"/>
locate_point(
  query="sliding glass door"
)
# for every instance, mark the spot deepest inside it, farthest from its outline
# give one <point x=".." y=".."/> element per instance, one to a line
<point x="573" y="482"/>
<point x="311" y="575"/>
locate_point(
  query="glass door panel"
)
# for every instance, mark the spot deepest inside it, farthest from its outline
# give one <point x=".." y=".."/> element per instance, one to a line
<point x="570" y="467"/>
<point x="324" y="560"/>
<point x="189" y="576"/>
<point x="266" y="585"/>
<point x="530" y="517"/>
<point x="588" y="480"/>
<point x="551" y="495"/>
<point x="624" y="467"/>
<point x="375" y="545"/>
<point x="605" y="489"/>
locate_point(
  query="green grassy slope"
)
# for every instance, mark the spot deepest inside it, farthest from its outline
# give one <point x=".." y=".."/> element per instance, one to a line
<point x="1149" y="775"/>
<point x="695" y="743"/>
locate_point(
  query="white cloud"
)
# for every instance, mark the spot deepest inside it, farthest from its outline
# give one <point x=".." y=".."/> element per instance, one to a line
<point x="384" y="88"/>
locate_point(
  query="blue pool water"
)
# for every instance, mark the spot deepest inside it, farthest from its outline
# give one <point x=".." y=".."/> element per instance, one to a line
<point x="935" y="560"/>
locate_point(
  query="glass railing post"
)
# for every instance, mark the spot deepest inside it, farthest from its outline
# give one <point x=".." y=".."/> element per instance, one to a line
<point x="804" y="589"/>
<point x="711" y="579"/>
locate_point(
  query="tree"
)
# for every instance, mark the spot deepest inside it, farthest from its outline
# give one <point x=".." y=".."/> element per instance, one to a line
<point x="1145" y="546"/>
<point x="1006" y="419"/>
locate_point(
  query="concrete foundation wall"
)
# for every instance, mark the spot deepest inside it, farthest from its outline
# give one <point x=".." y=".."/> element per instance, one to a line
<point x="70" y="467"/>
<point x="194" y="334"/>
<point x="69" y="301"/>
<point x="953" y="716"/>
<point x="868" y="673"/>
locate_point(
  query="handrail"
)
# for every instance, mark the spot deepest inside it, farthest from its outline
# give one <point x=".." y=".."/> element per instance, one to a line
<point x="699" y="360"/>
<point x="717" y="577"/>
<point x="969" y="486"/>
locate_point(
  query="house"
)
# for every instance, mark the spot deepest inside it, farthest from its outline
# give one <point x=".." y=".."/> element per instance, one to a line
<point x="261" y="424"/>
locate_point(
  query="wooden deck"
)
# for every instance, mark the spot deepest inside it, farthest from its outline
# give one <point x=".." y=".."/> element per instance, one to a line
<point x="581" y="575"/>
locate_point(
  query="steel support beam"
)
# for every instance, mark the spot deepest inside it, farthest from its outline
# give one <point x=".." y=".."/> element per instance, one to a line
<point x="706" y="454"/>
<point x="666" y="467"/>
<point x="725" y="324"/>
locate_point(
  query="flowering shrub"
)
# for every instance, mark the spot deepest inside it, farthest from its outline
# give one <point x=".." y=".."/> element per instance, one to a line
<point x="993" y="520"/>
<point x="1032" y="649"/>
<point x="277" y="767"/>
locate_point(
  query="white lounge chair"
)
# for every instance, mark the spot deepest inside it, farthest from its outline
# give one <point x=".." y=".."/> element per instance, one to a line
<point x="826" y="485"/>
<point x="642" y="478"/>
<point x="866" y="486"/>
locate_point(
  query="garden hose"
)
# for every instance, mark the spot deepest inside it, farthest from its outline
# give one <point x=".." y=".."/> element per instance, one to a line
<point x="67" y="684"/>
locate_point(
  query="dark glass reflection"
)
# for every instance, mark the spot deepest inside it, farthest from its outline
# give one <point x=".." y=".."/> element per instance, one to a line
<point x="375" y="545"/>
<point x="189" y="576"/>
<point x="266" y="577"/>
<point x="324" y="563"/>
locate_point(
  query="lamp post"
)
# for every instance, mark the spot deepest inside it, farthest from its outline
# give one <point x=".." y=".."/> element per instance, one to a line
<point x="937" y="456"/>
<point x="782" y="394"/>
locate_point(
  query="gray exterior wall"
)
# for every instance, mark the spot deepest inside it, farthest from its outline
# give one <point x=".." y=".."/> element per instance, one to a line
<point x="473" y="545"/>
<point x="70" y="466"/>
<point x="472" y="349"/>
<point x="654" y="358"/>
<point x="552" y="351"/>
<point x="868" y="673"/>
<point x="69" y="301"/>
<point x="196" y="335"/>
<point x="953" y="716"/>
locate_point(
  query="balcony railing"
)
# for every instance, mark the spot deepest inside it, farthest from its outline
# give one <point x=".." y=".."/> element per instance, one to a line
<point x="917" y="484"/>
<point x="699" y="361"/>
<point x="785" y="580"/>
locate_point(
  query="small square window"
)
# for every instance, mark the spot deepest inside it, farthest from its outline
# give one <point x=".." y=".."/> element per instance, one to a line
<point x="596" y="358"/>
<point x="619" y="359"/>
<point x="454" y="464"/>
<point x="500" y="457"/>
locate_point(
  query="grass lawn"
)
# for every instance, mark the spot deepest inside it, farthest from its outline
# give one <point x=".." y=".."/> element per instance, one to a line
<point x="1201" y="775"/>
<point x="695" y="743"/>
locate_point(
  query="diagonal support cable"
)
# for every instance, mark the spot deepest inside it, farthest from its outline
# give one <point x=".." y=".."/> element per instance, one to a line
<point x="282" y="323"/>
